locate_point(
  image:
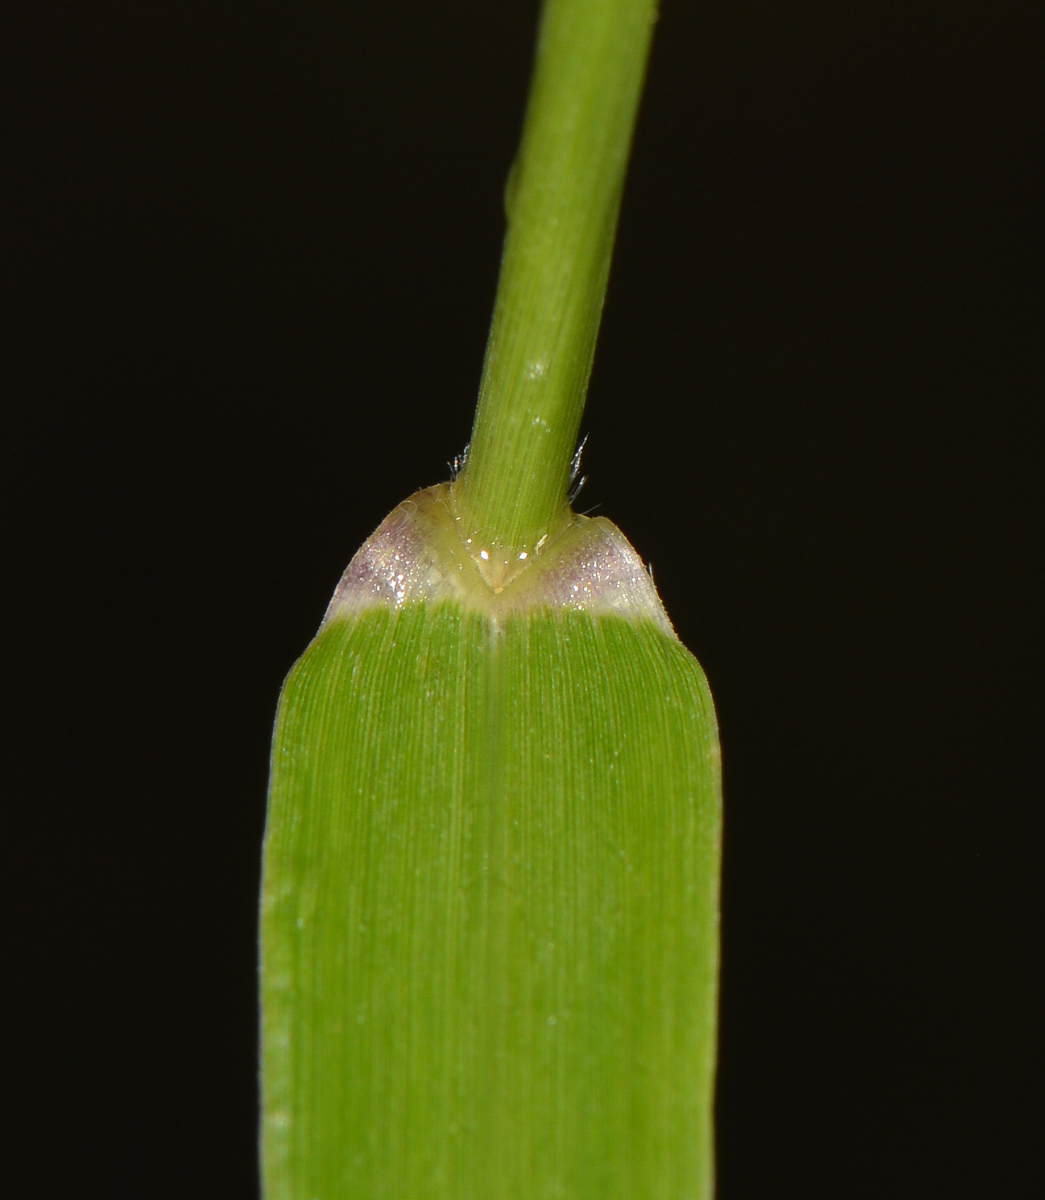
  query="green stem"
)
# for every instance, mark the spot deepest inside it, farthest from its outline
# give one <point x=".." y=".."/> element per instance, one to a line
<point x="562" y="201"/>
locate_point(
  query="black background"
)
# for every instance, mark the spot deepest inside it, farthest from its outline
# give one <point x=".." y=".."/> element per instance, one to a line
<point x="249" y="254"/>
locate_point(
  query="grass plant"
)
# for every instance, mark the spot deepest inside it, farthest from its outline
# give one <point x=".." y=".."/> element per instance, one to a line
<point x="489" y="908"/>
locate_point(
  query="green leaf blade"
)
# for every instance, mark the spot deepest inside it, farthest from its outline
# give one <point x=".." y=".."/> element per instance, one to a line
<point x="490" y="911"/>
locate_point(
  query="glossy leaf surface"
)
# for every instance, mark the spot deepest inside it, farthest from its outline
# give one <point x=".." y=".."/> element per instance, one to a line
<point x="490" y="912"/>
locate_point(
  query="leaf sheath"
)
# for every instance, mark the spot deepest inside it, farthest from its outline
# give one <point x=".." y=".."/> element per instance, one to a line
<point x="490" y="913"/>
